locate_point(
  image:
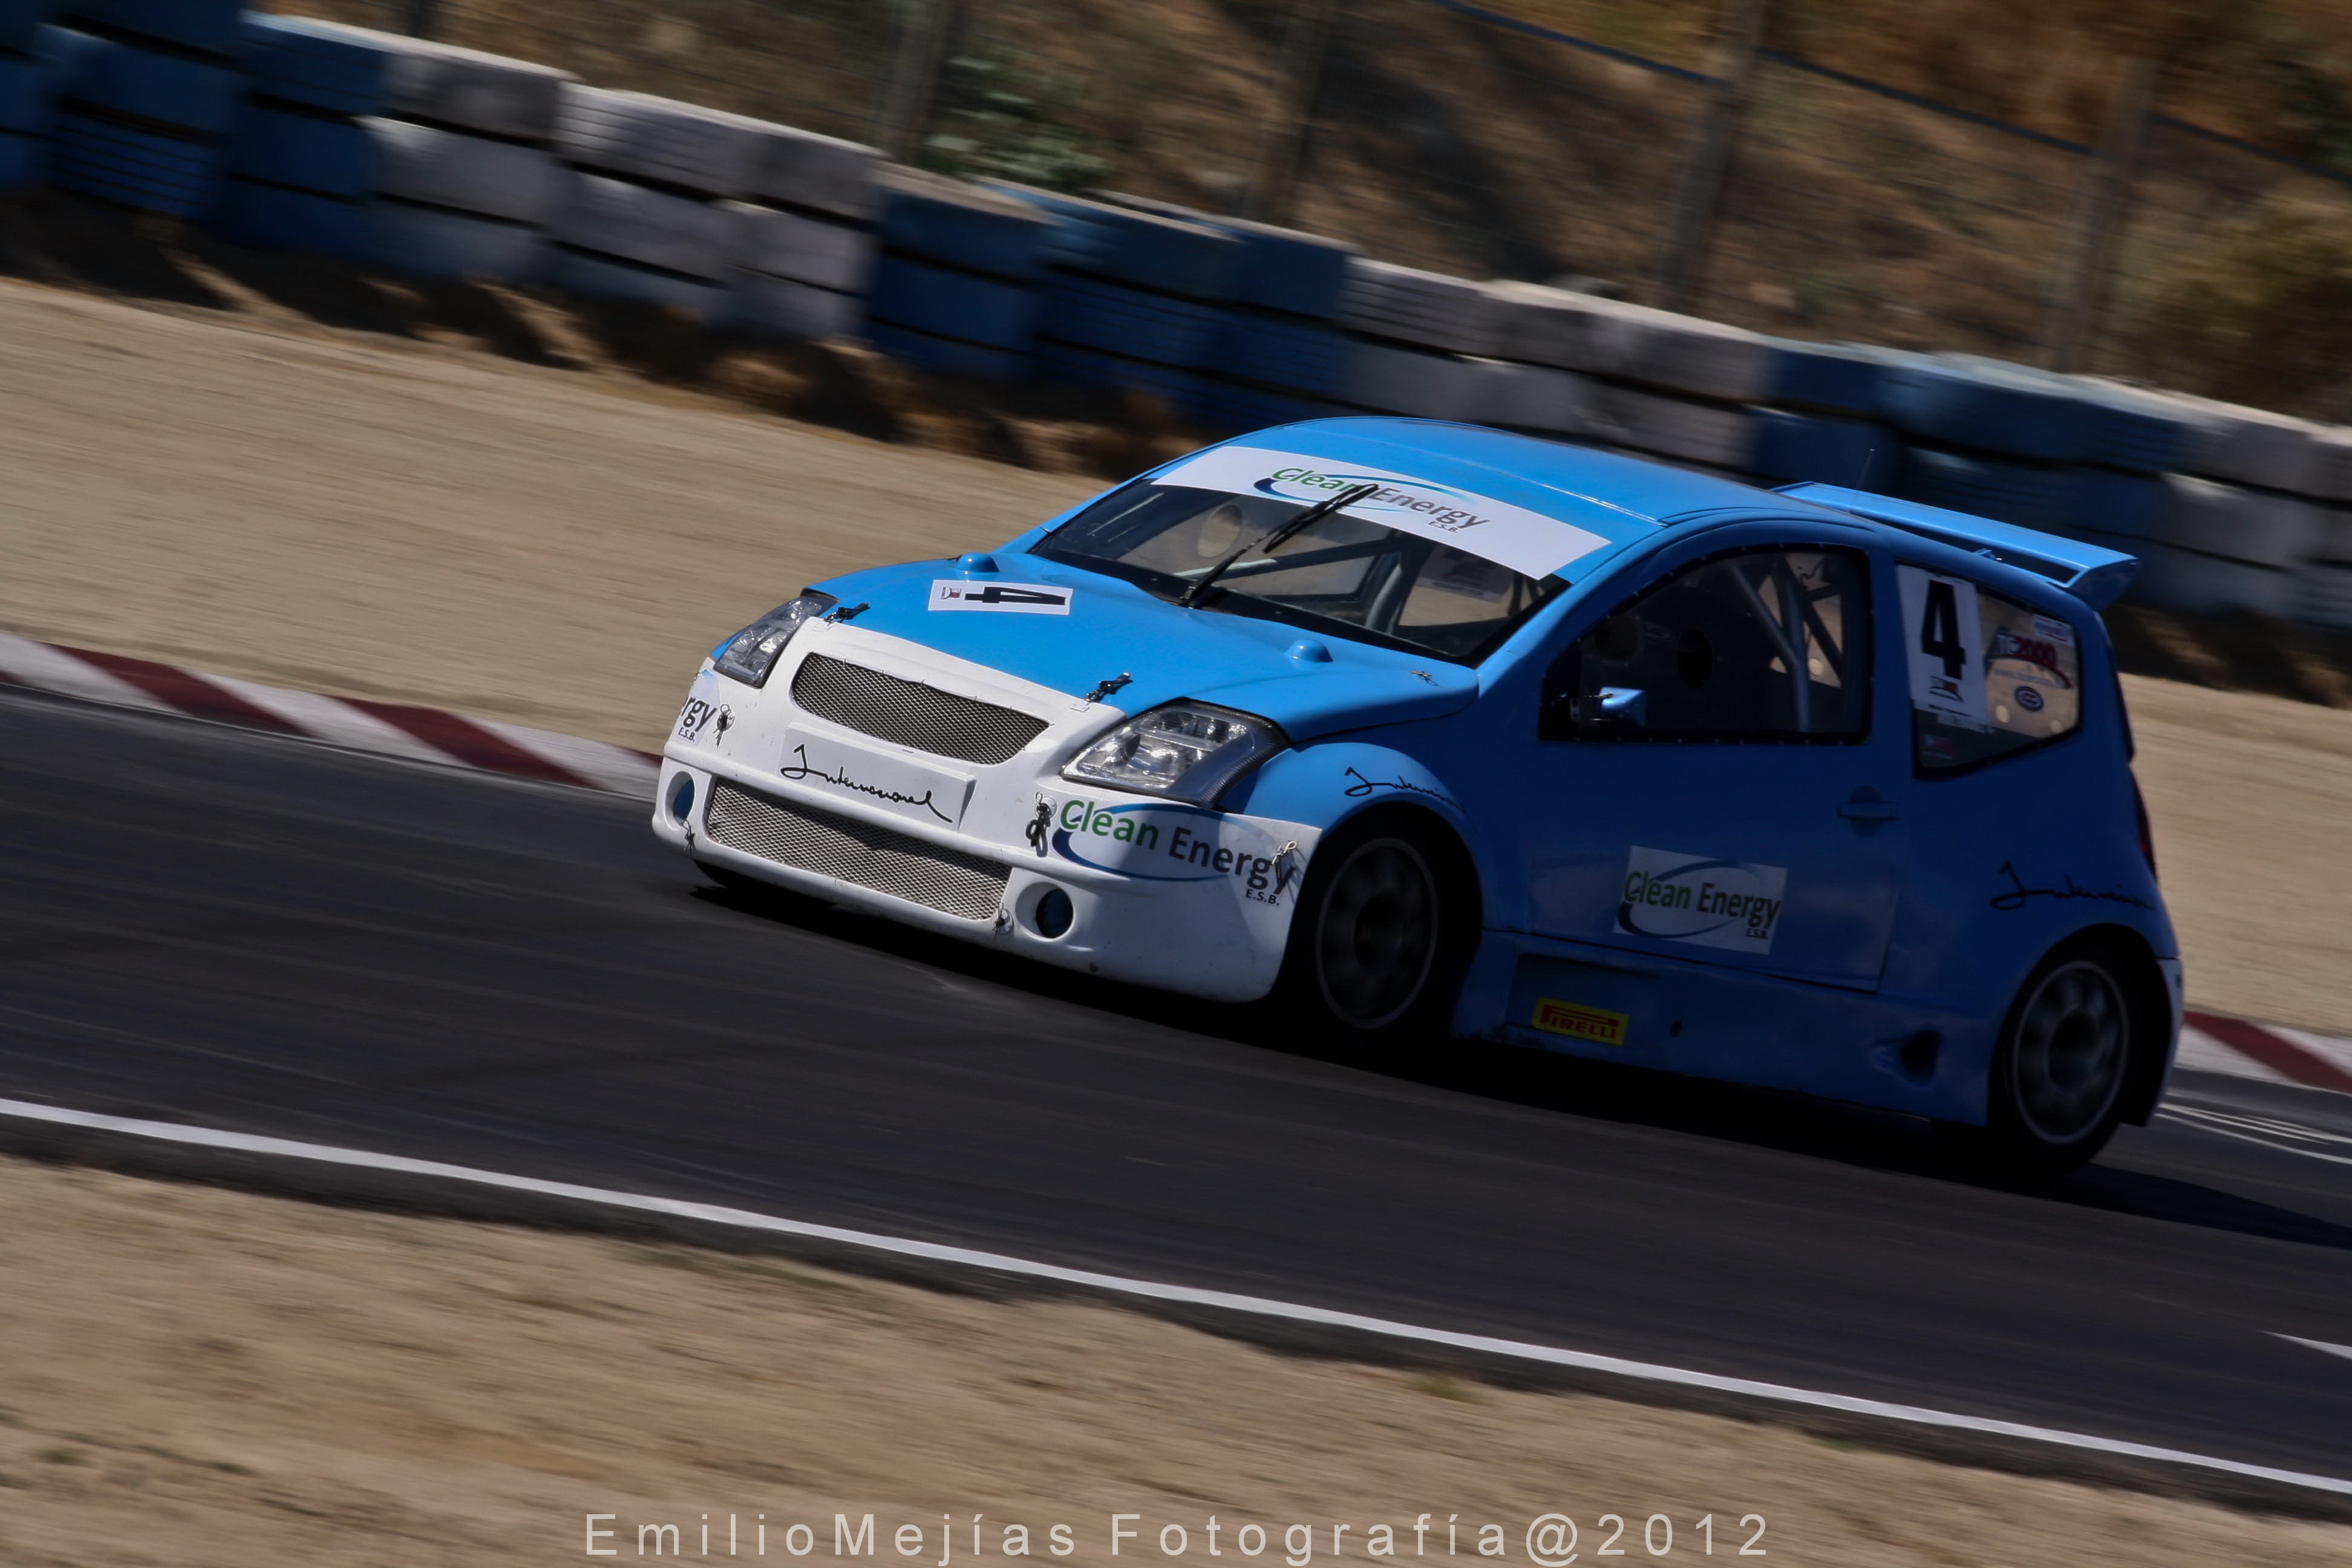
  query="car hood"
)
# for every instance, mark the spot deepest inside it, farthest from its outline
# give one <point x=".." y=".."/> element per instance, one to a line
<point x="1115" y="628"/>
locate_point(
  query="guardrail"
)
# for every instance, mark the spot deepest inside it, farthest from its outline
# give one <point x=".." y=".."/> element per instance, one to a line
<point x="391" y="150"/>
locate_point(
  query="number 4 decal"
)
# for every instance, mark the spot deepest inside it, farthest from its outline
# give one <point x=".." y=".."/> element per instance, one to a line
<point x="1945" y="643"/>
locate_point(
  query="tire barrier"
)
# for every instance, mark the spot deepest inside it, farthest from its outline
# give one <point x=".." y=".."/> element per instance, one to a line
<point x="295" y="134"/>
<point x="28" y="97"/>
<point x="392" y="150"/>
<point x="145" y="92"/>
<point x="760" y="228"/>
<point x="1279" y="352"/>
<point x="956" y="285"/>
<point x="1132" y="298"/>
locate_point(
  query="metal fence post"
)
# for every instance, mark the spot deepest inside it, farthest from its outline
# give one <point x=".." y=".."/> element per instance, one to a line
<point x="422" y="14"/>
<point x="1282" y="137"/>
<point x="2077" y="288"/>
<point x="1699" y="183"/>
<point x="903" y="112"/>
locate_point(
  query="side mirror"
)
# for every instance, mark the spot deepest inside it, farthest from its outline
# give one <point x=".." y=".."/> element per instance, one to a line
<point x="1614" y="706"/>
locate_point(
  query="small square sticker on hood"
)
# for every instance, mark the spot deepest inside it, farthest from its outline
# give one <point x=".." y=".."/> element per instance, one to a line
<point x="1009" y="598"/>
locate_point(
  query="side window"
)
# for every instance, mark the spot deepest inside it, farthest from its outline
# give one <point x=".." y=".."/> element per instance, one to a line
<point x="1990" y="677"/>
<point x="1757" y="645"/>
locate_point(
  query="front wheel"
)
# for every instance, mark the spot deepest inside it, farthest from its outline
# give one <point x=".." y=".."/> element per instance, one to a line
<point x="1380" y="939"/>
<point x="2058" y="1076"/>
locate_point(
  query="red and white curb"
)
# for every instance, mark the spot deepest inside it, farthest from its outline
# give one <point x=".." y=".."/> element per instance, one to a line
<point x="2209" y="1043"/>
<point x="2214" y="1044"/>
<point x="421" y="735"/>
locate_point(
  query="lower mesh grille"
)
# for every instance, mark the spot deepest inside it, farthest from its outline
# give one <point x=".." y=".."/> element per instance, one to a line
<point x="894" y="863"/>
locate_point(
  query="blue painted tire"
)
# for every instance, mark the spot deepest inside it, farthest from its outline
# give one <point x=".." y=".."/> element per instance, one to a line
<point x="26" y="95"/>
<point x="21" y="19"/>
<point x="268" y="217"/>
<point x="1987" y="409"/>
<point x="133" y="168"/>
<point x="1280" y="270"/>
<point x="1091" y="367"/>
<point x="328" y="157"/>
<point x="168" y="90"/>
<point x="1279" y="352"/>
<point x="1840" y="376"/>
<point x="947" y="353"/>
<point x="2029" y="495"/>
<point x="436" y="243"/>
<point x="208" y="24"/>
<point x="1189" y="260"/>
<point x="975" y="232"/>
<point x="2130" y="506"/>
<point x="23" y="161"/>
<point x="313" y="63"/>
<point x="986" y="312"/>
<point x="1225" y="407"/>
<point x="1832" y="451"/>
<point x="1089" y="313"/>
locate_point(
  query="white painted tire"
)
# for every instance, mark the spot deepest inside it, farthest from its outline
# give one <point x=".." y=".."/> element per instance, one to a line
<point x="822" y="173"/>
<point x="638" y="136"/>
<point x="599" y="277"/>
<point x="2175" y="579"/>
<point x="1390" y="380"/>
<point x="2253" y="526"/>
<point x="1538" y="397"/>
<point x="652" y="228"/>
<point x="466" y="88"/>
<point x="470" y="173"/>
<point x="438" y="244"/>
<point x="778" y="308"/>
<point x="1405" y="305"/>
<point x="1669" y="428"/>
<point x="802" y="250"/>
<point x="2324" y="596"/>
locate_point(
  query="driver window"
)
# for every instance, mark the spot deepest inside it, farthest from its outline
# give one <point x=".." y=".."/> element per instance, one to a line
<point x="1757" y="645"/>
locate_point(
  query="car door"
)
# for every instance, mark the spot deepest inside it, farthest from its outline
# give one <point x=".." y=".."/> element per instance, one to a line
<point x="1710" y="782"/>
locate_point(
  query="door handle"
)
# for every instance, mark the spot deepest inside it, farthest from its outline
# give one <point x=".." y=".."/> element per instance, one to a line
<point x="1869" y="806"/>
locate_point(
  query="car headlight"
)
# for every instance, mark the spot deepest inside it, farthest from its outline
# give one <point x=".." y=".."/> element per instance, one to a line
<point x="751" y="655"/>
<point x="1186" y="750"/>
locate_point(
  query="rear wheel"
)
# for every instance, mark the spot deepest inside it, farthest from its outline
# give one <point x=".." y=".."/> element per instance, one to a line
<point x="2064" y="1058"/>
<point x="1380" y="937"/>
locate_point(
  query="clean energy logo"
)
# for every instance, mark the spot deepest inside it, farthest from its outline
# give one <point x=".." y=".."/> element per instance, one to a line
<point x="1439" y="507"/>
<point x="1707" y="902"/>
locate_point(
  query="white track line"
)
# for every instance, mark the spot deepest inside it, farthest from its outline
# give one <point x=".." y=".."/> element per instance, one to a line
<point x="2322" y="1346"/>
<point x="1255" y="1306"/>
<point x="2252" y="1130"/>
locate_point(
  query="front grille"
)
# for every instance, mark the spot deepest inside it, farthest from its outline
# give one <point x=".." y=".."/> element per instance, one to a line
<point x="894" y="863"/>
<point x="910" y="712"/>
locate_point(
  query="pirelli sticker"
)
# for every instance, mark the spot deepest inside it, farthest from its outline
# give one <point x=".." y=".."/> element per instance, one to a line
<point x="1598" y="1025"/>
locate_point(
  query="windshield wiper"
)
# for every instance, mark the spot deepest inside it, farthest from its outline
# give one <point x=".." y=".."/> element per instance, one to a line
<point x="1273" y="538"/>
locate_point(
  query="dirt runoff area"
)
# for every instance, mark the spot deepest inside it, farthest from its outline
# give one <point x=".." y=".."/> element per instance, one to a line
<point x="196" y="1377"/>
<point x="215" y="477"/>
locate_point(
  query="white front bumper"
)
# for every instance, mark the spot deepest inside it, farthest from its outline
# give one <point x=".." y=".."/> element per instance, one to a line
<point x="1189" y="901"/>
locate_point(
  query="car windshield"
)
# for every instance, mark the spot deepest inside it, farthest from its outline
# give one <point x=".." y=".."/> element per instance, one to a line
<point x="1340" y="574"/>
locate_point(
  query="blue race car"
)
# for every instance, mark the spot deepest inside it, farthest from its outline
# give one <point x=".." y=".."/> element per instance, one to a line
<point x="1412" y="729"/>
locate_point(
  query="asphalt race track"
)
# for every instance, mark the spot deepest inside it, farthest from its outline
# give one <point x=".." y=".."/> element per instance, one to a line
<point x="202" y="925"/>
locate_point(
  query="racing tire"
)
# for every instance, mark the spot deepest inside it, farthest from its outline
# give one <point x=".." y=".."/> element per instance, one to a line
<point x="2064" y="1066"/>
<point x="1382" y="934"/>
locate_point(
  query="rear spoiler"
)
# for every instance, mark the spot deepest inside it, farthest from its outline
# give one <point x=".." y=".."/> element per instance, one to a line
<point x="2094" y="575"/>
